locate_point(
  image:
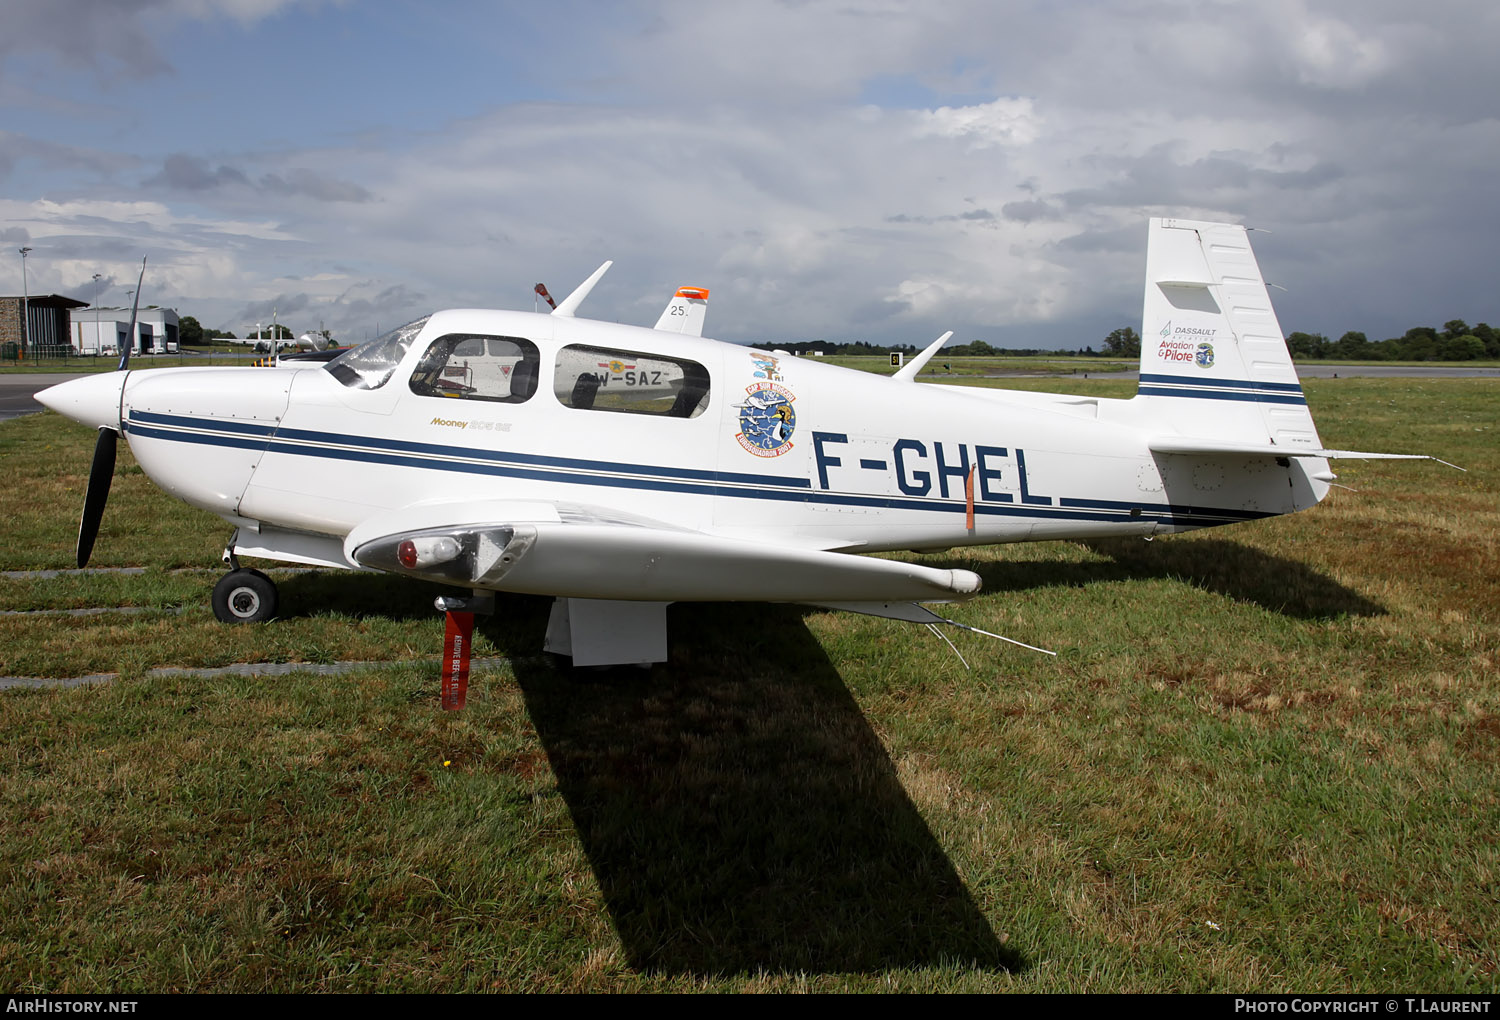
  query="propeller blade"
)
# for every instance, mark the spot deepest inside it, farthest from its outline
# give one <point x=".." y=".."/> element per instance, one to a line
<point x="100" y="475"/>
<point x="130" y="334"/>
<point x="102" y="472"/>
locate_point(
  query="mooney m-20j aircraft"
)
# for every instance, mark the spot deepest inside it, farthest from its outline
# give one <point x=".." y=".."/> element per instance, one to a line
<point x="621" y="468"/>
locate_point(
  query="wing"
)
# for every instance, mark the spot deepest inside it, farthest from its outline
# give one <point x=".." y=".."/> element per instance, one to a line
<point x="544" y="548"/>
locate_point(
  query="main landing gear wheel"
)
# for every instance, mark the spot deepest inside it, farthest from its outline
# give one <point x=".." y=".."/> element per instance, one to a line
<point x="245" y="596"/>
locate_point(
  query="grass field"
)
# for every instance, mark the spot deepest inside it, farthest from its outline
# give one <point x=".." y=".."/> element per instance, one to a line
<point x="1265" y="760"/>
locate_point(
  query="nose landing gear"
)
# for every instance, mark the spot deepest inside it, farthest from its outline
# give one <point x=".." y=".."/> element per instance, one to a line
<point x="248" y="596"/>
<point x="244" y="596"/>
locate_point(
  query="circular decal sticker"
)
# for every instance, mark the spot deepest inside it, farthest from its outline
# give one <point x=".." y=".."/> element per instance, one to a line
<point x="767" y="420"/>
<point x="1205" y="356"/>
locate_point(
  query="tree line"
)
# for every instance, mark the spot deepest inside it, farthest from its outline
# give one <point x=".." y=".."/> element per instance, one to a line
<point x="191" y="332"/>
<point x="1456" y="341"/>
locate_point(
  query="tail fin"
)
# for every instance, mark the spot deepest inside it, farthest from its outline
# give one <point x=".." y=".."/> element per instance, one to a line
<point x="685" y="312"/>
<point x="1213" y="361"/>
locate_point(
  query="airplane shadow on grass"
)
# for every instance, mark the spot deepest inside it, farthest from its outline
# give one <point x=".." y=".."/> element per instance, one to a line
<point x="738" y="811"/>
<point x="1228" y="568"/>
<point x="359" y="595"/>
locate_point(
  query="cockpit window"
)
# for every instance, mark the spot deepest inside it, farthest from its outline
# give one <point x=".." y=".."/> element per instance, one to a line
<point x="368" y="366"/>
<point x="599" y="379"/>
<point x="500" y="368"/>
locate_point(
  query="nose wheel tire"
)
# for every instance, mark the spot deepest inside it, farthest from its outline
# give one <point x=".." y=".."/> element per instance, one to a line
<point x="245" y="596"/>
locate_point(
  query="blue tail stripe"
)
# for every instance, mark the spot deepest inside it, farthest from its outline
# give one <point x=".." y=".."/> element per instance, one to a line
<point x="1196" y="394"/>
<point x="1243" y="384"/>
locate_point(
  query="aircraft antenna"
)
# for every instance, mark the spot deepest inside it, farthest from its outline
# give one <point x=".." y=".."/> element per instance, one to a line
<point x="933" y="627"/>
<point x="997" y="637"/>
<point x="908" y="372"/>
<point x="570" y="303"/>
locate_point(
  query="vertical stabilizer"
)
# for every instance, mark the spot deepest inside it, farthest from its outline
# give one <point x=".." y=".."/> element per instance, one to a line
<point x="685" y="312"/>
<point x="1213" y="361"/>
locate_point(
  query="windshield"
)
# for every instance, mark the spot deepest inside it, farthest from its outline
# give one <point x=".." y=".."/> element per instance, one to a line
<point x="368" y="366"/>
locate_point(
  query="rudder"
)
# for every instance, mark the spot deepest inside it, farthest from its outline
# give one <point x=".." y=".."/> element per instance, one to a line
<point x="1213" y="361"/>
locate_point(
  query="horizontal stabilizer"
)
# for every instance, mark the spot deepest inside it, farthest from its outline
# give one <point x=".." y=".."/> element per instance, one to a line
<point x="1191" y="446"/>
<point x="1199" y="447"/>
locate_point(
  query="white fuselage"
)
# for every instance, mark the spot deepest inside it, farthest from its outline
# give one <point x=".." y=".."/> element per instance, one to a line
<point x="782" y="450"/>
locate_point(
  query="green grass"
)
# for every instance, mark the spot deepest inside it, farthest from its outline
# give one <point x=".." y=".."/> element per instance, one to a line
<point x="1264" y="760"/>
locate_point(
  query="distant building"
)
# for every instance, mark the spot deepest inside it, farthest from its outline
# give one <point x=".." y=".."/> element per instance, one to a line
<point x="103" y="331"/>
<point x="49" y="319"/>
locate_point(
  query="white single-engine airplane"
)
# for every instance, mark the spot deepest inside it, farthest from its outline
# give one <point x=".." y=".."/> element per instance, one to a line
<point x="621" y="468"/>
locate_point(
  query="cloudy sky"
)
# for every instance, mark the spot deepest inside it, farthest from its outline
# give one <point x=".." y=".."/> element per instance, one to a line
<point x="854" y="169"/>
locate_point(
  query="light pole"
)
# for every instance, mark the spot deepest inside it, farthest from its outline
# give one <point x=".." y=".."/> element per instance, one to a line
<point x="130" y="297"/>
<point x="25" y="304"/>
<point x="98" y="340"/>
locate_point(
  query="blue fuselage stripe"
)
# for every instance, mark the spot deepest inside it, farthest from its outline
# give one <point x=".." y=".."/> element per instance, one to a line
<point x="369" y="450"/>
<point x="404" y="446"/>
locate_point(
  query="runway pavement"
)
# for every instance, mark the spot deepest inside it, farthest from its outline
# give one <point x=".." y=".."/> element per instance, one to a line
<point x="17" y="392"/>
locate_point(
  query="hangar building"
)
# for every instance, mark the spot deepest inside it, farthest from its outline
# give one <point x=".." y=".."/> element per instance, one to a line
<point x="49" y="315"/>
<point x="103" y="330"/>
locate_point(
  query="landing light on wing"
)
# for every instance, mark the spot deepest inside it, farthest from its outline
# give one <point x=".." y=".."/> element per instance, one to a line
<point x="415" y="553"/>
<point x="476" y="556"/>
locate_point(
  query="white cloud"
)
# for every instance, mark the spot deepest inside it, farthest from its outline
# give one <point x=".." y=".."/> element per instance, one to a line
<point x="1004" y="185"/>
<point x="1006" y="121"/>
<point x="240" y="10"/>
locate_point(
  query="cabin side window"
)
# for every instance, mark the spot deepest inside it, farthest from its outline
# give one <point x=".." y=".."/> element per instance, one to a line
<point x="629" y="382"/>
<point x="463" y="366"/>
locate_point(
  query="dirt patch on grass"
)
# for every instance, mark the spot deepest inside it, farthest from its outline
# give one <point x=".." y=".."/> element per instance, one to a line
<point x="1480" y="739"/>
